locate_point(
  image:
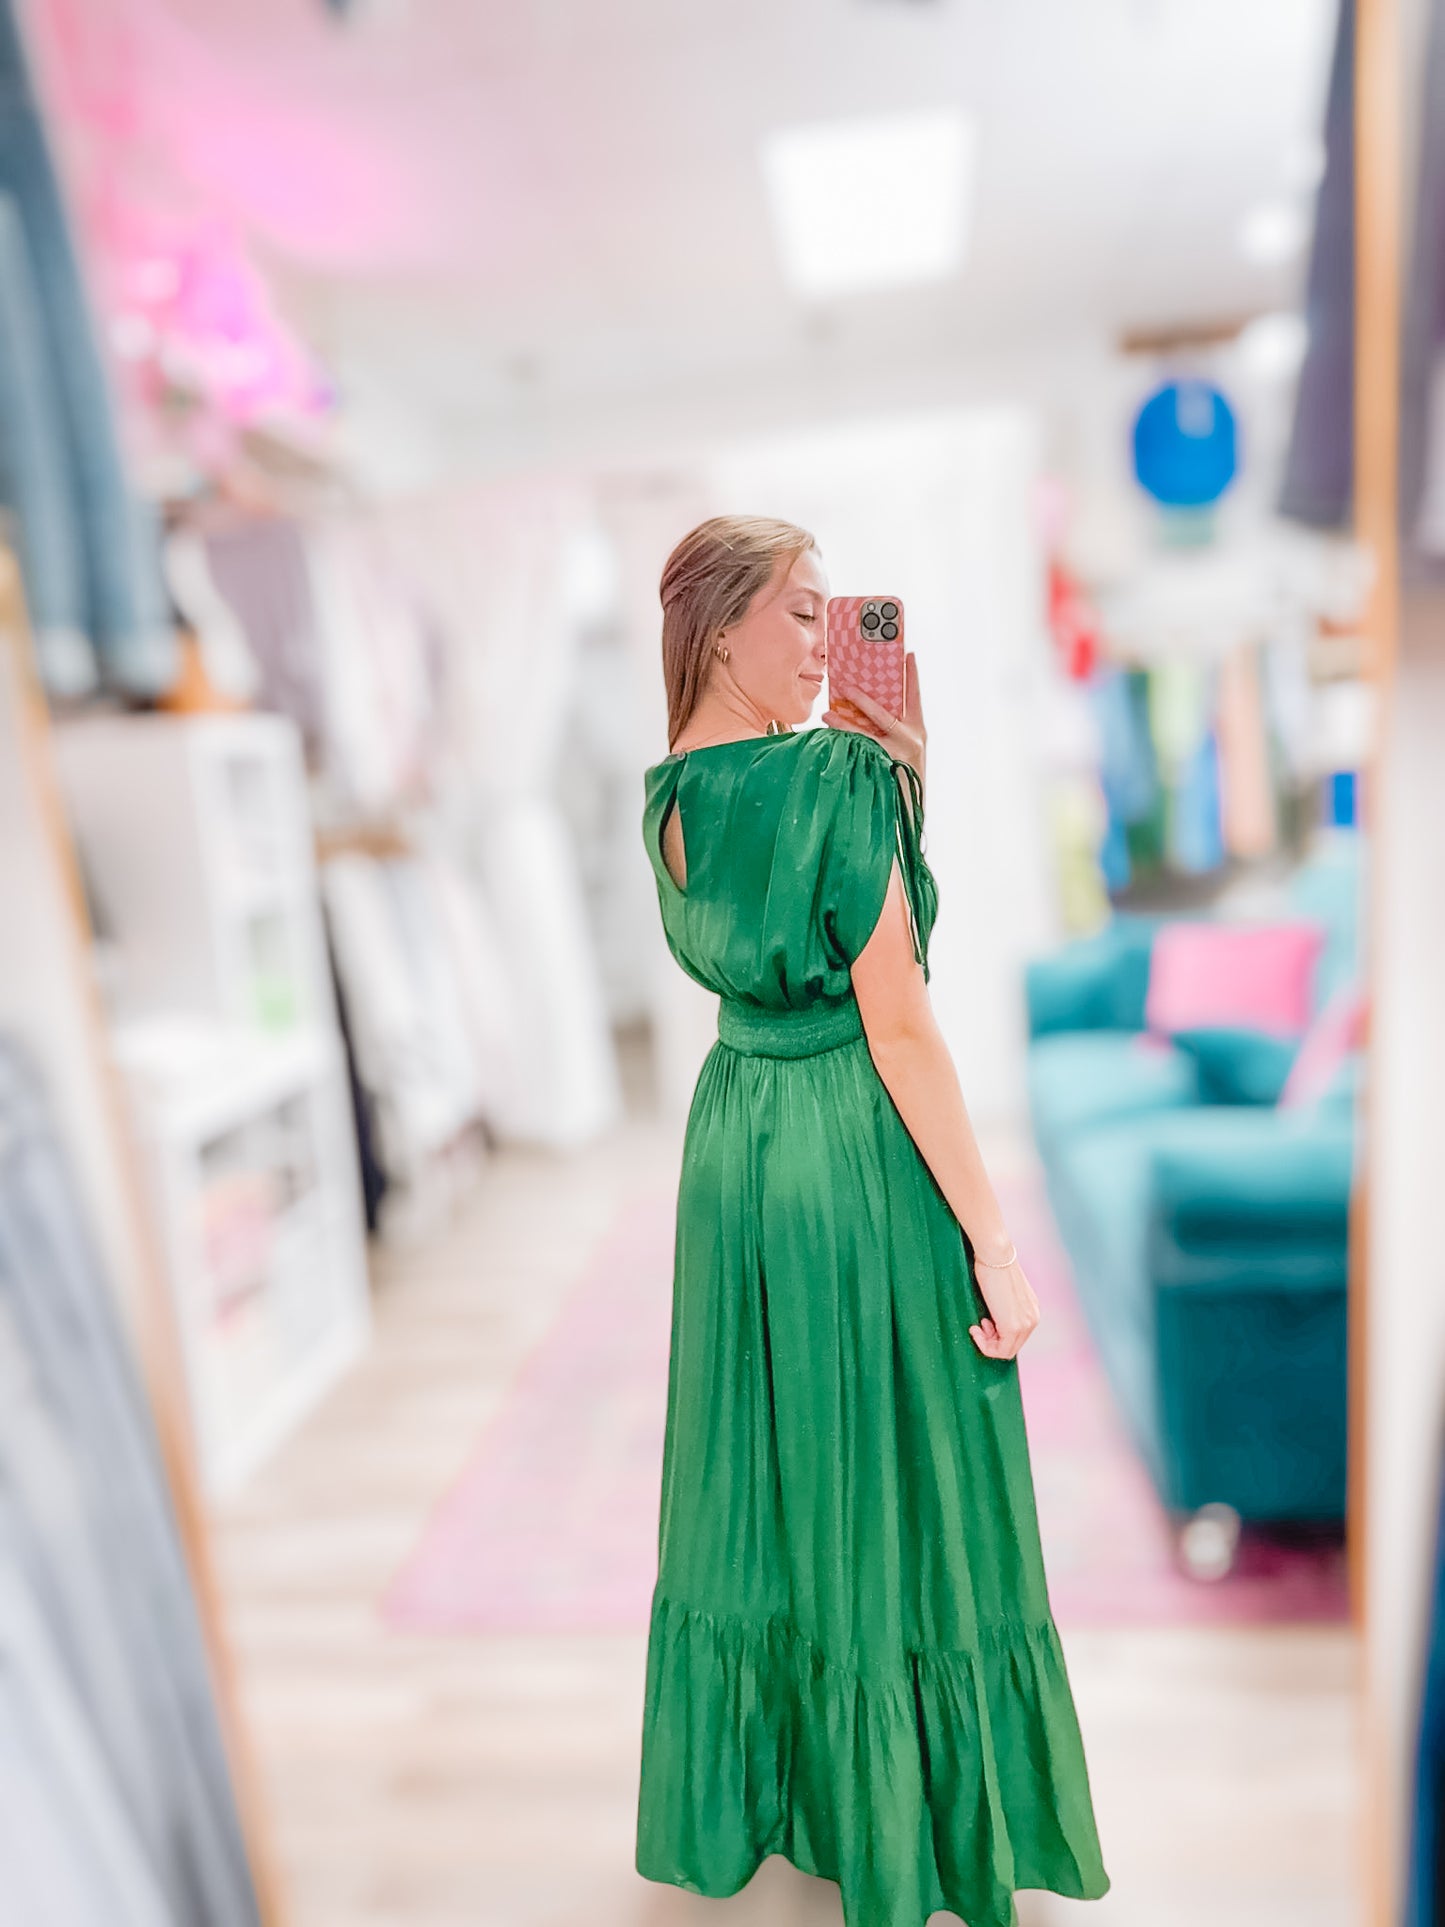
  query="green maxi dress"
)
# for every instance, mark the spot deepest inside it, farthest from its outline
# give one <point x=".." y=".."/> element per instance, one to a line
<point x="852" y="1659"/>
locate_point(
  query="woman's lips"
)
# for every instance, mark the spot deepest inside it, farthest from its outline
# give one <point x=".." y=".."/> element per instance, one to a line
<point x="808" y="676"/>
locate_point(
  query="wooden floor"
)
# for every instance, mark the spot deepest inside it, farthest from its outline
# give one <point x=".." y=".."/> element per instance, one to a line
<point x="464" y="1782"/>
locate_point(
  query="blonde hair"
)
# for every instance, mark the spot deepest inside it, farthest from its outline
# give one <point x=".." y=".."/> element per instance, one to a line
<point x="707" y="584"/>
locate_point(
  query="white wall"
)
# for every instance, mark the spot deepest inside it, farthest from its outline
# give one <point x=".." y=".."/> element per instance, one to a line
<point x="936" y="507"/>
<point x="644" y="513"/>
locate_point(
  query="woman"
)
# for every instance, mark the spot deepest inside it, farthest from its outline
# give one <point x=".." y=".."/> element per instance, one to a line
<point x="852" y="1660"/>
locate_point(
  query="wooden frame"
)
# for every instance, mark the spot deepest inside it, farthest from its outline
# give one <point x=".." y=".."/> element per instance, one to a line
<point x="1379" y="269"/>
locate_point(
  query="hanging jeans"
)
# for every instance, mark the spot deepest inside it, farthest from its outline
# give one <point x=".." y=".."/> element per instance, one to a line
<point x="89" y="547"/>
<point x="34" y="482"/>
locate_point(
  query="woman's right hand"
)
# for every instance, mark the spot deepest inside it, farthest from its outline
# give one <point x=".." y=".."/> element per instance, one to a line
<point x="905" y="736"/>
<point x="1013" y="1309"/>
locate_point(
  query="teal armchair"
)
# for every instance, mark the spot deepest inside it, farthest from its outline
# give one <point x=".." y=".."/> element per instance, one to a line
<point x="1207" y="1227"/>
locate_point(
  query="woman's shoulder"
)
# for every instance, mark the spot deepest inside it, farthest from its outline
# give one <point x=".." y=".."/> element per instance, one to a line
<point x="824" y="751"/>
<point x="850" y="761"/>
<point x="846" y="748"/>
<point x="846" y="786"/>
<point x="834" y="771"/>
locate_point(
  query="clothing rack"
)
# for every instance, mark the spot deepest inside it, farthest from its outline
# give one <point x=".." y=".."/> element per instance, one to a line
<point x="49" y="996"/>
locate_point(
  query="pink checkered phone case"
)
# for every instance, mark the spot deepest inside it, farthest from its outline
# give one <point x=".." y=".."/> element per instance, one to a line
<point x="865" y="651"/>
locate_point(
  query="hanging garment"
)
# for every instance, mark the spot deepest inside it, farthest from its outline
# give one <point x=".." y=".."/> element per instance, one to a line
<point x="1179" y="699"/>
<point x="230" y="667"/>
<point x="400" y="1052"/>
<point x="259" y="567"/>
<point x="1246" y="780"/>
<point x="491" y="560"/>
<point x="1129" y="769"/>
<point x="478" y="966"/>
<point x="360" y="760"/>
<point x="570" y="1087"/>
<point x="44" y="1504"/>
<point x="851" y="1659"/>
<point x="1196" y="840"/>
<point x="127" y="618"/>
<point x="402" y="642"/>
<point x="1178" y="710"/>
<point x="34" y="483"/>
<point x="1319" y="463"/>
<point x="1422" y="377"/>
<point x="144" y="1667"/>
<point x="372" y="1170"/>
<point x="1077" y="823"/>
<point x="1146" y="829"/>
<point x="69" y="1854"/>
<point x="431" y="962"/>
<point x="1128" y="775"/>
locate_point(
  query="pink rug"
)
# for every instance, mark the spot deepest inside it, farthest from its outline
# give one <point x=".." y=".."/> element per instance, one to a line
<point x="552" y="1526"/>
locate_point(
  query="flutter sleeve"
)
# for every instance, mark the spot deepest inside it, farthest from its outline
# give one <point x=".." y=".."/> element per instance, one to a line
<point x="873" y="806"/>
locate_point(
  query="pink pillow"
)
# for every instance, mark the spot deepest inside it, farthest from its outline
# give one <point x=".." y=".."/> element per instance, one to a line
<point x="1338" y="1030"/>
<point x="1255" y="975"/>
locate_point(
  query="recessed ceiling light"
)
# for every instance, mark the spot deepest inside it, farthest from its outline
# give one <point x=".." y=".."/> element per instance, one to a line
<point x="870" y="203"/>
<point x="1274" y="232"/>
<point x="1272" y="346"/>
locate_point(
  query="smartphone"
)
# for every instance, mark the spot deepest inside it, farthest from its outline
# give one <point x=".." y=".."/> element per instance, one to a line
<point x="865" y="651"/>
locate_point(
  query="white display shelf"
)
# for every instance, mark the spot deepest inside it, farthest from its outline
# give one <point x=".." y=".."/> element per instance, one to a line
<point x="247" y="1138"/>
<point x="198" y="846"/>
<point x="197" y="840"/>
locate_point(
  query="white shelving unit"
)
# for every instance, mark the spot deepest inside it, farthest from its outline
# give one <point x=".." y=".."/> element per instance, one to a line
<point x="197" y="846"/>
<point x="248" y="1142"/>
<point x="197" y="842"/>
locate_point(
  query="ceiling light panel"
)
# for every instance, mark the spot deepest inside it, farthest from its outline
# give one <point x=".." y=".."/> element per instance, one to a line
<point x="870" y="203"/>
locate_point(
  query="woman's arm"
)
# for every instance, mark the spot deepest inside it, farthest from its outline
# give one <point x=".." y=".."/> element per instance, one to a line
<point x="918" y="1071"/>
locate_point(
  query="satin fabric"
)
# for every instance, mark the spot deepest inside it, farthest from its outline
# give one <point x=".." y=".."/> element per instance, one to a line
<point x="851" y="1658"/>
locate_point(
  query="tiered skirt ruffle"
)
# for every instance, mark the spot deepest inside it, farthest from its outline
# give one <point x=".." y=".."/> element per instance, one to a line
<point x="945" y="1783"/>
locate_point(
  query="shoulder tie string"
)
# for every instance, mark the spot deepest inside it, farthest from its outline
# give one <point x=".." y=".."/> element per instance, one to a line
<point x="919" y="886"/>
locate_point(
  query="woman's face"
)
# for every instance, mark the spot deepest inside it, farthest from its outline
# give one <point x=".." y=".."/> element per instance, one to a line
<point x="776" y="653"/>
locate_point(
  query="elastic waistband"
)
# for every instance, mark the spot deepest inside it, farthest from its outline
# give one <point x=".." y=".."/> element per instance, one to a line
<point x="788" y="1033"/>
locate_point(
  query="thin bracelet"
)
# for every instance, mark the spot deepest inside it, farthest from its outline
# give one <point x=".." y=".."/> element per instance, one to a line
<point x="1012" y="1259"/>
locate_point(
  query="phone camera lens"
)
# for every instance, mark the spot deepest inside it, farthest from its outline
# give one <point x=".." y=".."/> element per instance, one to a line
<point x="890" y="611"/>
<point x="870" y="620"/>
<point x="889" y="631"/>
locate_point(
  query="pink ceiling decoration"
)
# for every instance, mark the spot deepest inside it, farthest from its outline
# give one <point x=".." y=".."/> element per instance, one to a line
<point x="264" y="116"/>
<point x="202" y="315"/>
<point x="180" y="167"/>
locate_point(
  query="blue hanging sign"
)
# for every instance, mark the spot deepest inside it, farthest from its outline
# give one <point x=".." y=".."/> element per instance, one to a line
<point x="1184" y="444"/>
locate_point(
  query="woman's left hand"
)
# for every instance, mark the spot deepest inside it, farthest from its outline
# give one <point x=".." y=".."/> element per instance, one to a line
<point x="1013" y="1310"/>
<point x="904" y="737"/>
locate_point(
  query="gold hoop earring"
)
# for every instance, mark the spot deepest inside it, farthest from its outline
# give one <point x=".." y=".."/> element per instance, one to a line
<point x="720" y="650"/>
